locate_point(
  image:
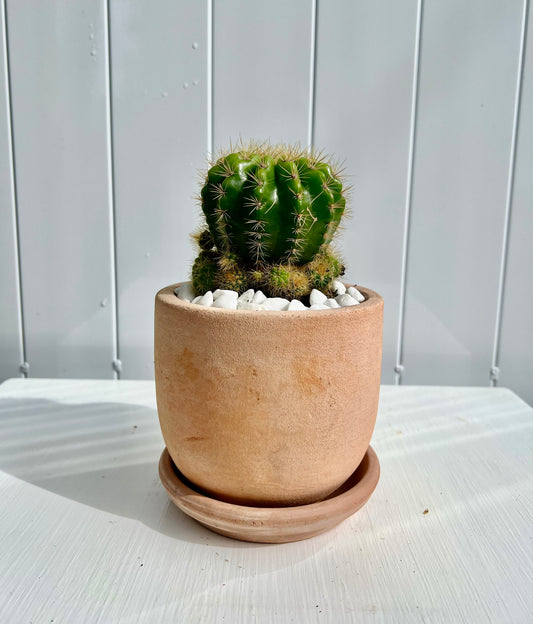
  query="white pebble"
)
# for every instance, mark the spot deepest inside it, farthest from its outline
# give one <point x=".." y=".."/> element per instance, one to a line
<point x="296" y="304"/>
<point x="319" y="306"/>
<point x="346" y="300"/>
<point x="353" y="292"/>
<point x="185" y="291"/>
<point x="247" y="296"/>
<point x="316" y="297"/>
<point x="225" y="301"/>
<point x="331" y="303"/>
<point x="276" y="303"/>
<point x="259" y="297"/>
<point x="219" y="292"/>
<point x="196" y="299"/>
<point x="339" y="287"/>
<point x="248" y="305"/>
<point x="207" y="299"/>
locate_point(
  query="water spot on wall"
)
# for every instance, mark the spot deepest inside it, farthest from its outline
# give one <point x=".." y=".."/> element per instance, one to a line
<point x="195" y="45"/>
<point x="185" y="85"/>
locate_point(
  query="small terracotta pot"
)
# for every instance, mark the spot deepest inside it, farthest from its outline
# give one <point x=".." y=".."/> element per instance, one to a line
<point x="267" y="408"/>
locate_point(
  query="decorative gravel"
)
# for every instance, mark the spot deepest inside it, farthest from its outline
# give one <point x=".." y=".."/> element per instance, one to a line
<point x="256" y="300"/>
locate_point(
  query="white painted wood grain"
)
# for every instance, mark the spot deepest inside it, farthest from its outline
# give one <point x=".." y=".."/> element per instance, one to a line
<point x="11" y="349"/>
<point x="364" y="74"/>
<point x="516" y="346"/>
<point x="261" y="65"/>
<point x="159" y="121"/>
<point x="469" y="57"/>
<point x="59" y="118"/>
<point x="87" y="533"/>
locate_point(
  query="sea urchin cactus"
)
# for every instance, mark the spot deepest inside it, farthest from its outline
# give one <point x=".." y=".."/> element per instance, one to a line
<point x="271" y="214"/>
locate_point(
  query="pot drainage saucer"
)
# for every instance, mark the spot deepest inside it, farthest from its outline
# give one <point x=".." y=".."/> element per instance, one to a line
<point x="272" y="524"/>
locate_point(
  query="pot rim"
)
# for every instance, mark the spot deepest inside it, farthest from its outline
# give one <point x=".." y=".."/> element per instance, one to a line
<point x="373" y="300"/>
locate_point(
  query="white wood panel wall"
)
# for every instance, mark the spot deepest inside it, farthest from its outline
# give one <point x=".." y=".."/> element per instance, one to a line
<point x="115" y="104"/>
<point x="11" y="345"/>
<point x="261" y="69"/>
<point x="159" y="60"/>
<point x="362" y="114"/>
<point x="513" y="354"/>
<point x="58" y="68"/>
<point x="468" y="59"/>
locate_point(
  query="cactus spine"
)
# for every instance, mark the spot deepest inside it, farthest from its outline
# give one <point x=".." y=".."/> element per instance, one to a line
<point x="271" y="215"/>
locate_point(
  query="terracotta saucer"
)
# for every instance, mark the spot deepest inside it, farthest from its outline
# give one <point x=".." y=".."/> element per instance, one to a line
<point x="272" y="524"/>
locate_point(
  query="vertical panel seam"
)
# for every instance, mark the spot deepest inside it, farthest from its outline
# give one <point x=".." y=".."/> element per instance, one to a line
<point x="116" y="365"/>
<point x="14" y="197"/>
<point x="210" y="78"/>
<point x="494" y="370"/>
<point x="399" y="367"/>
<point x="312" y="75"/>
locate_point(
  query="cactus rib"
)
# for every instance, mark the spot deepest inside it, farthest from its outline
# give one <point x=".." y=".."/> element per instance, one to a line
<point x="268" y="207"/>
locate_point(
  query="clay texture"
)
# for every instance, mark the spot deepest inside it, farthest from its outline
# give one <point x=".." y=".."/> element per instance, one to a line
<point x="267" y="408"/>
<point x="272" y="525"/>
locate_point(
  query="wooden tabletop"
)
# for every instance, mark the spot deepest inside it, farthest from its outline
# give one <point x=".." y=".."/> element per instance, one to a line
<point x="87" y="533"/>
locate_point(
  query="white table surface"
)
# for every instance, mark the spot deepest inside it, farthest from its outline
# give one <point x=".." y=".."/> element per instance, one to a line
<point x="87" y="533"/>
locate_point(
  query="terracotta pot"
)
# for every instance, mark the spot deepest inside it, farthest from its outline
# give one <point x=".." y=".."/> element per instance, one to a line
<point x="267" y="408"/>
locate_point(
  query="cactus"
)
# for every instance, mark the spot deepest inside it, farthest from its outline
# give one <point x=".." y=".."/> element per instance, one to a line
<point x="213" y="270"/>
<point x="282" y="279"/>
<point x="323" y="269"/>
<point x="204" y="270"/>
<point x="205" y="240"/>
<point x="271" y="215"/>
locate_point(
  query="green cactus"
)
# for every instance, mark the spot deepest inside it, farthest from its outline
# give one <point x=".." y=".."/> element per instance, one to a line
<point x="213" y="270"/>
<point x="234" y="278"/>
<point x="284" y="280"/>
<point x="205" y="240"/>
<point x="272" y="204"/>
<point x="271" y="214"/>
<point x="323" y="269"/>
<point x="204" y="271"/>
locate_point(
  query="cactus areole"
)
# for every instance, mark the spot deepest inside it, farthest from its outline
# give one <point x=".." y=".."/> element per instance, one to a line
<point x="269" y="208"/>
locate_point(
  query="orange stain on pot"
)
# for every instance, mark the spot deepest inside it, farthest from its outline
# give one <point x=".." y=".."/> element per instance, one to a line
<point x="187" y="365"/>
<point x="307" y="378"/>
